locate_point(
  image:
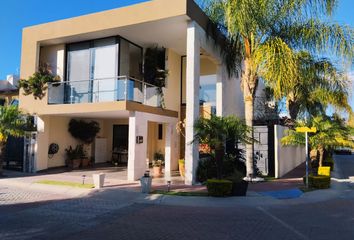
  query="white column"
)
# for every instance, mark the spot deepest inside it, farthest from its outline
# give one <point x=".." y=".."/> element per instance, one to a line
<point x="168" y="152"/>
<point x="220" y="76"/>
<point x="192" y="97"/>
<point x="171" y="150"/>
<point x="137" y="151"/>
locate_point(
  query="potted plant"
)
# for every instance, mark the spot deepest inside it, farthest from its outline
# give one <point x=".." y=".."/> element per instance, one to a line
<point x="37" y="84"/>
<point x="75" y="156"/>
<point x="239" y="186"/>
<point x="157" y="164"/>
<point x="154" y="70"/>
<point x="85" y="132"/>
<point x="181" y="167"/>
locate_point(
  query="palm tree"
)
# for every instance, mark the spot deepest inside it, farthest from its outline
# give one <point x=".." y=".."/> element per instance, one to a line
<point x="331" y="132"/>
<point x="265" y="34"/>
<point x="317" y="85"/>
<point x="216" y="131"/>
<point x="11" y="124"/>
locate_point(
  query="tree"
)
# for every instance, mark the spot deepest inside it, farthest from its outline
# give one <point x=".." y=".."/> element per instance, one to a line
<point x="12" y="123"/>
<point x="317" y="84"/>
<point x="216" y="131"/>
<point x="331" y="132"/>
<point x="265" y="34"/>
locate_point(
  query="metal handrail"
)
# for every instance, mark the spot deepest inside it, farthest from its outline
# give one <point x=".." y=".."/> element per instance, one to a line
<point x="96" y="91"/>
<point x="108" y="78"/>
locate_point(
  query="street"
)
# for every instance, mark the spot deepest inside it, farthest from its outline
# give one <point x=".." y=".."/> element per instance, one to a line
<point x="123" y="215"/>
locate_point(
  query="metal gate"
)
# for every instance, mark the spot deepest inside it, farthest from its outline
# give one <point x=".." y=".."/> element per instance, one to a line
<point x="261" y="148"/>
<point x="30" y="148"/>
<point x="20" y="153"/>
<point x="13" y="154"/>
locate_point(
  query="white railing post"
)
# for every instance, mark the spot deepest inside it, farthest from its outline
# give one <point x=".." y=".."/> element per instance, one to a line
<point x="71" y="94"/>
<point x="144" y="94"/>
<point x="98" y="91"/>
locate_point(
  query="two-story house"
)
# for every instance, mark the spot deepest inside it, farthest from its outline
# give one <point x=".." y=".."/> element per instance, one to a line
<point x="100" y="57"/>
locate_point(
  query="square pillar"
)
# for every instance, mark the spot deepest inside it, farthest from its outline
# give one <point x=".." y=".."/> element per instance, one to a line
<point x="43" y="142"/>
<point x="171" y="154"/>
<point x="192" y="97"/>
<point x="137" y="151"/>
<point x="220" y="93"/>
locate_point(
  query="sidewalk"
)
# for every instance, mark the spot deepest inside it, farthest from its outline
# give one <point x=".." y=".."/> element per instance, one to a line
<point x="116" y="188"/>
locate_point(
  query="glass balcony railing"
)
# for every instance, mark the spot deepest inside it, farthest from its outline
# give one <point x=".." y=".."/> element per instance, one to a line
<point x="103" y="90"/>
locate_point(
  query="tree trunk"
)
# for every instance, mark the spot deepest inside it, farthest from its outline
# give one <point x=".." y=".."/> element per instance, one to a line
<point x="293" y="109"/>
<point x="219" y="157"/>
<point x="249" y="85"/>
<point x="249" y="146"/>
<point x="321" y="153"/>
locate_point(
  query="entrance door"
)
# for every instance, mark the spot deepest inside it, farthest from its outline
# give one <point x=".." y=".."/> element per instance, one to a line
<point x="120" y="143"/>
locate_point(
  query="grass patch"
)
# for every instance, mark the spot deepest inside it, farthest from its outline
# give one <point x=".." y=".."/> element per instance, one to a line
<point x="184" y="194"/>
<point x="66" y="184"/>
<point x="268" y="178"/>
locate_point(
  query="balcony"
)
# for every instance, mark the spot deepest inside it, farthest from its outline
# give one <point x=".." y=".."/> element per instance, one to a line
<point x="120" y="88"/>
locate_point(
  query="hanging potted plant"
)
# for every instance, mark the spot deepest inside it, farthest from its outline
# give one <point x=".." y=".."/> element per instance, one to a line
<point x="37" y="84"/>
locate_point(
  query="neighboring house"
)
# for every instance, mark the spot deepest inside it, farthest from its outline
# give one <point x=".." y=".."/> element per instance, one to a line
<point x="9" y="90"/>
<point x="99" y="58"/>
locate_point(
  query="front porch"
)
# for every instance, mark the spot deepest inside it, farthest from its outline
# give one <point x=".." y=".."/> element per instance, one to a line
<point x="127" y="138"/>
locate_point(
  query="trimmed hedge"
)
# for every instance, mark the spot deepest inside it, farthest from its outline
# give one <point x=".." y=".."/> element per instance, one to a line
<point x="319" y="182"/>
<point x="206" y="169"/>
<point x="219" y="188"/>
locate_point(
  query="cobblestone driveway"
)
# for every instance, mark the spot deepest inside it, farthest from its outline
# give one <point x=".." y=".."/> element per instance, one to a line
<point x="114" y="215"/>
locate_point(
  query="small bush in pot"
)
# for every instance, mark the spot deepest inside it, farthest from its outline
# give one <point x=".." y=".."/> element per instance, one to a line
<point x="74" y="156"/>
<point x="219" y="187"/>
<point x="157" y="164"/>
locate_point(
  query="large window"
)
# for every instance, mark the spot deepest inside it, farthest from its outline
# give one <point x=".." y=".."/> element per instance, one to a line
<point x="207" y="84"/>
<point x="93" y="68"/>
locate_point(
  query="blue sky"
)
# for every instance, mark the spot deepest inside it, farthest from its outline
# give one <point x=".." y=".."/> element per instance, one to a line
<point x="17" y="14"/>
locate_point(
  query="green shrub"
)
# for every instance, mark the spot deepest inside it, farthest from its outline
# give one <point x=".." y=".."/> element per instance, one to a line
<point x="206" y="169"/>
<point x="329" y="162"/>
<point x="319" y="182"/>
<point x="219" y="188"/>
<point x="236" y="177"/>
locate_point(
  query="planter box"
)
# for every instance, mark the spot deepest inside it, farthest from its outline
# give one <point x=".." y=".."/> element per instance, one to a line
<point x="239" y="188"/>
<point x="181" y="168"/>
<point x="85" y="162"/>
<point x="76" y="163"/>
<point x="157" y="171"/>
<point x="98" y="180"/>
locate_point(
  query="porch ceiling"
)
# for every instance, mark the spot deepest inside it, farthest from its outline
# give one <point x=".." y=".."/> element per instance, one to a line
<point x="97" y="115"/>
<point x="168" y="32"/>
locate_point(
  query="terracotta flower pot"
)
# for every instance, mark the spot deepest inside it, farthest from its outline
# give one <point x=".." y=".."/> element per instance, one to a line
<point x="76" y="163"/>
<point x="157" y="171"/>
<point x="85" y="162"/>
